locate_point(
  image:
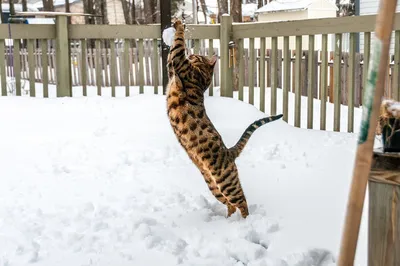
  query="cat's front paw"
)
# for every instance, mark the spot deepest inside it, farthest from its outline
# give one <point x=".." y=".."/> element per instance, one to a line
<point x="178" y="25"/>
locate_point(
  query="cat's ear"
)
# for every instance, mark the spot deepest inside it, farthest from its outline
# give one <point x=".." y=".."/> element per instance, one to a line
<point x="213" y="60"/>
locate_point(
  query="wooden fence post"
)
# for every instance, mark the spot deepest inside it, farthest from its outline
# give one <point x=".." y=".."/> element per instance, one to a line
<point x="226" y="72"/>
<point x="62" y="58"/>
<point x="384" y="210"/>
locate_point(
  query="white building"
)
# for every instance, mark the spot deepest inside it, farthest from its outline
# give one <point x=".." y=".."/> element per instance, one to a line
<point x="285" y="10"/>
<point x="370" y="7"/>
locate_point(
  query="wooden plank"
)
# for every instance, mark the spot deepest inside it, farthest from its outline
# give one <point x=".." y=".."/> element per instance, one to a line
<point x="324" y="81"/>
<point x="28" y="31"/>
<point x="63" y="66"/>
<point x="196" y="48"/>
<point x="308" y="26"/>
<point x="84" y="66"/>
<point x="74" y="55"/>
<point x="31" y="67"/>
<point x="251" y="71"/>
<point x="286" y="77"/>
<point x="17" y="67"/>
<point x="98" y="66"/>
<point x="104" y="63"/>
<point x="113" y="67"/>
<point x="351" y="83"/>
<point x="133" y="59"/>
<point x="45" y="67"/>
<point x="310" y="77"/>
<point x="396" y="68"/>
<point x="146" y="70"/>
<point x="336" y="81"/>
<point x="297" y="83"/>
<point x="226" y="86"/>
<point x="210" y="54"/>
<point x="262" y="74"/>
<point x="126" y="66"/>
<point x="3" y="70"/>
<point x="141" y="66"/>
<point x="358" y="80"/>
<point x="154" y="64"/>
<point x="367" y="53"/>
<point x="274" y="73"/>
<point x="279" y="68"/>
<point x="384" y="210"/>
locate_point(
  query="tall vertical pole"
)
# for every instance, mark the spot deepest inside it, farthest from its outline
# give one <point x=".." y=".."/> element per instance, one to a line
<point x="373" y="92"/>
<point x="165" y="10"/>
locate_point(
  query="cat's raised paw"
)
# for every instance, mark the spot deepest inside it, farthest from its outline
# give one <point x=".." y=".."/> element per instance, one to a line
<point x="178" y="24"/>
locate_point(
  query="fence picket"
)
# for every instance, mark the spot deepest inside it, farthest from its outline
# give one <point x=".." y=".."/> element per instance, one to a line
<point x="310" y="77"/>
<point x="154" y="65"/>
<point x="297" y="80"/>
<point x="113" y="67"/>
<point x="367" y="52"/>
<point x="3" y="70"/>
<point x="337" y="81"/>
<point x="251" y="71"/>
<point x="31" y="68"/>
<point x="286" y="77"/>
<point x="324" y="81"/>
<point x="17" y="67"/>
<point x="141" y="66"/>
<point x="126" y="67"/>
<point x="262" y="74"/>
<point x="351" y="83"/>
<point x="274" y="74"/>
<point x="98" y="68"/>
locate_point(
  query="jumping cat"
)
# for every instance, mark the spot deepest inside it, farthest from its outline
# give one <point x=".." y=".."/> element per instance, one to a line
<point x="189" y="78"/>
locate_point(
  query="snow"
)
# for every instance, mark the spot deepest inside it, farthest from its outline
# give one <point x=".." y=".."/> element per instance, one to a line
<point x="284" y="5"/>
<point x="103" y="181"/>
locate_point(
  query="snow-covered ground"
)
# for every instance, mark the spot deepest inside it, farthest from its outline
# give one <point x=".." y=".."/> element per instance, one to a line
<point x="103" y="181"/>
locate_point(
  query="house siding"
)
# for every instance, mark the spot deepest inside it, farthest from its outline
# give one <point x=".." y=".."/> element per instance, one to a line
<point x="370" y="7"/>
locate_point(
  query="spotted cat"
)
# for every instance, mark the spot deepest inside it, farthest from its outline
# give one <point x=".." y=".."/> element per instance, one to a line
<point x="189" y="78"/>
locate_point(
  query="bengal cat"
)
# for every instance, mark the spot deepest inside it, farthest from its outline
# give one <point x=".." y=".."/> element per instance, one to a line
<point x="189" y="78"/>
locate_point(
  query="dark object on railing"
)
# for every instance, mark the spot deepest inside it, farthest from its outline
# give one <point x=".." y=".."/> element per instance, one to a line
<point x="384" y="210"/>
<point x="391" y="136"/>
<point x="17" y="20"/>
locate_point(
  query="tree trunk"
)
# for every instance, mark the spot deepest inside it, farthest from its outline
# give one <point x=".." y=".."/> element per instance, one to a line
<point x="222" y="9"/>
<point x="204" y="8"/>
<point x="12" y="8"/>
<point x="104" y="12"/>
<point x="97" y="11"/>
<point x="236" y="13"/>
<point x="149" y="11"/>
<point x="24" y="5"/>
<point x="67" y="10"/>
<point x="236" y="10"/>
<point x="50" y="5"/>
<point x="126" y="11"/>
<point x="133" y="12"/>
<point x="260" y="3"/>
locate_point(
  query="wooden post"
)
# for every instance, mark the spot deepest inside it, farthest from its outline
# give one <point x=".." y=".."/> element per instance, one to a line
<point x="384" y="210"/>
<point x="62" y="61"/>
<point x="226" y="73"/>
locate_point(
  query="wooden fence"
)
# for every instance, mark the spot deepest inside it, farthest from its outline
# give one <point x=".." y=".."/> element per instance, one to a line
<point x="129" y="55"/>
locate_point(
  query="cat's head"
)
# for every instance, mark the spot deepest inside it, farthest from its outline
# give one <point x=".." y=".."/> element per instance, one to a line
<point x="206" y="66"/>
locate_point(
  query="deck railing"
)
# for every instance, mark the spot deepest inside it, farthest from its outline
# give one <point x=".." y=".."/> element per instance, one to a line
<point x="256" y="62"/>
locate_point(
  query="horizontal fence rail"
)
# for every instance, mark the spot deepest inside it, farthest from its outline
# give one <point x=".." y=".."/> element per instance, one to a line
<point x="317" y="60"/>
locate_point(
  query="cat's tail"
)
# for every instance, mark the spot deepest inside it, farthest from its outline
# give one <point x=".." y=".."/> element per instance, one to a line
<point x="237" y="149"/>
